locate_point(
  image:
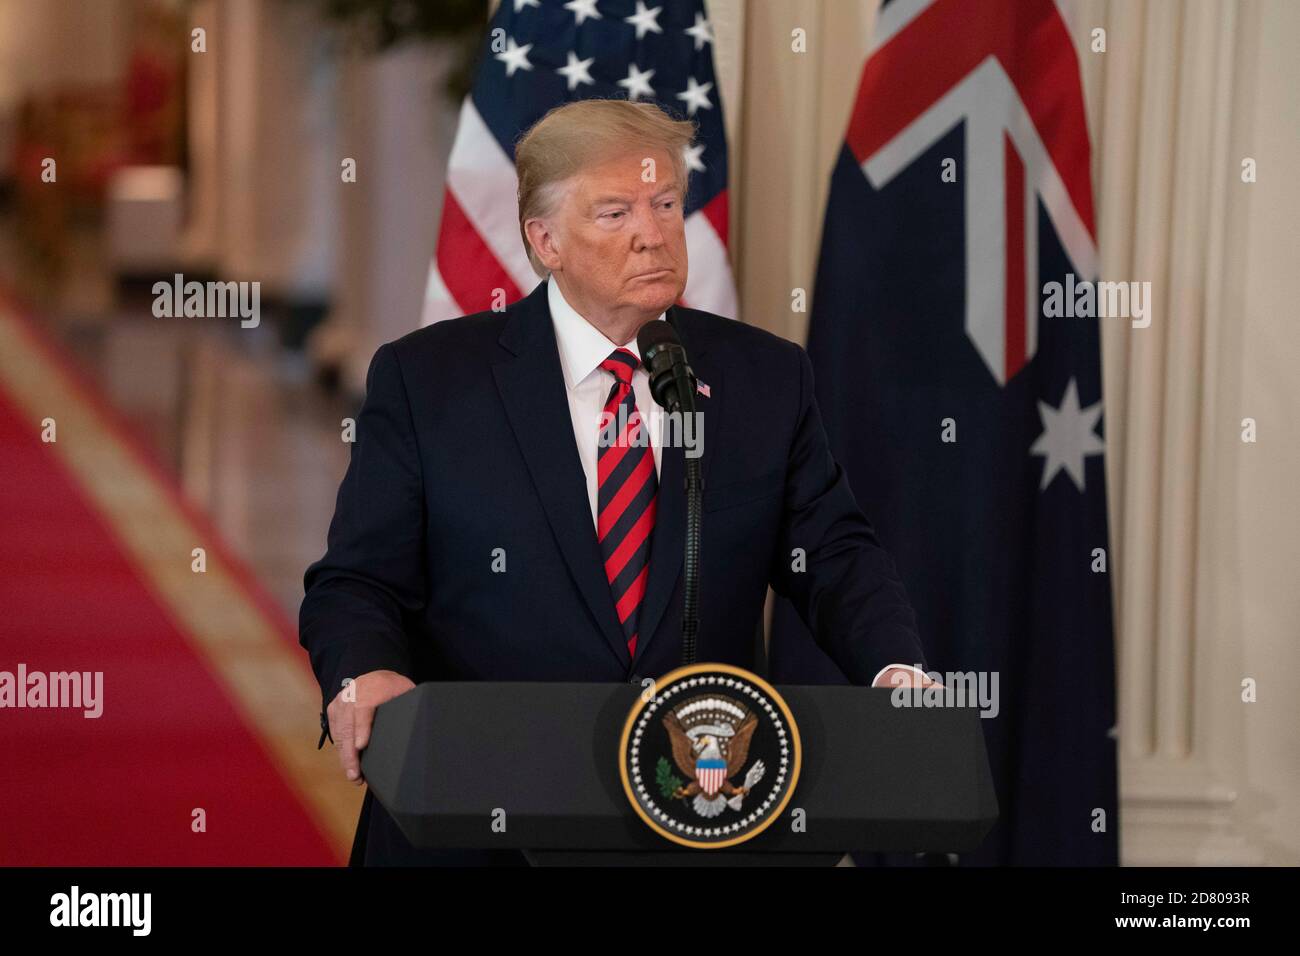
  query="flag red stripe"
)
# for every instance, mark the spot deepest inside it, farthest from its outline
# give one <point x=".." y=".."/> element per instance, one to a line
<point x="717" y="212"/>
<point x="1014" y="357"/>
<point x="469" y="269"/>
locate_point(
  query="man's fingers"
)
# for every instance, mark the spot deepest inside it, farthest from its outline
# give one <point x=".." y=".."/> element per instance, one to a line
<point x="364" y="719"/>
<point x="350" y="721"/>
<point x="343" y="730"/>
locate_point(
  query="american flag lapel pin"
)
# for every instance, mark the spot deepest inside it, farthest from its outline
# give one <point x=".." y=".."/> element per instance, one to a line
<point x="702" y="388"/>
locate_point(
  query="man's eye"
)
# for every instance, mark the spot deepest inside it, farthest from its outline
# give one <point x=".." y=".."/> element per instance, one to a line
<point x="612" y="215"/>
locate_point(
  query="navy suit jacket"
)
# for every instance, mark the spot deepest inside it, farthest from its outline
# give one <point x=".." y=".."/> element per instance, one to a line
<point x="462" y="545"/>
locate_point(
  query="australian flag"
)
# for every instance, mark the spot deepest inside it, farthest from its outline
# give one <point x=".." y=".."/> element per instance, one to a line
<point x="538" y="54"/>
<point x="971" y="425"/>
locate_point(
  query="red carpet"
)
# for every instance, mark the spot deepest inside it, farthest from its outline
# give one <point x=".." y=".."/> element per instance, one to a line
<point x="120" y="789"/>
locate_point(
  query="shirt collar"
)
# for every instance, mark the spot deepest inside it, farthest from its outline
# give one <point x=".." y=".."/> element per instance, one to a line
<point x="582" y="346"/>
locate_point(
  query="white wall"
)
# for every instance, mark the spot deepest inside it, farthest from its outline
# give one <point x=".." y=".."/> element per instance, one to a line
<point x="1265" y="509"/>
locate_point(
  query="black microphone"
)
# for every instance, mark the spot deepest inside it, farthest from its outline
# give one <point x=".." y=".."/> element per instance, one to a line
<point x="672" y="383"/>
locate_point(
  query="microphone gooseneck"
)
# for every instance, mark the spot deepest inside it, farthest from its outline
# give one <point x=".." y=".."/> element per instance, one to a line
<point x="673" y="384"/>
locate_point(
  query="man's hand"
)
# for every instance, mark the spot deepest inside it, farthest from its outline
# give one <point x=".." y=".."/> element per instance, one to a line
<point x="903" y="677"/>
<point x="352" y="713"/>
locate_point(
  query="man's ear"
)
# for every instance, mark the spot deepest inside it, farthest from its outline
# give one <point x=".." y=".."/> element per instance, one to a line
<point x="542" y="238"/>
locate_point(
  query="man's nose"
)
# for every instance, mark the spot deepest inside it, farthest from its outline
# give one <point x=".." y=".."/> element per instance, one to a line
<point x="647" y="234"/>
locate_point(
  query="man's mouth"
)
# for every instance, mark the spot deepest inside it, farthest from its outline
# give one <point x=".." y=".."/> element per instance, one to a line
<point x="653" y="274"/>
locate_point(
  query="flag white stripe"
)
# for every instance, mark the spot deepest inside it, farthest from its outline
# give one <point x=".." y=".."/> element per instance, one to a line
<point x="708" y="280"/>
<point x="483" y="179"/>
<point x="438" y="303"/>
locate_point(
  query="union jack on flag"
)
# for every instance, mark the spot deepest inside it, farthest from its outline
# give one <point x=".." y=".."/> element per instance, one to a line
<point x="537" y="55"/>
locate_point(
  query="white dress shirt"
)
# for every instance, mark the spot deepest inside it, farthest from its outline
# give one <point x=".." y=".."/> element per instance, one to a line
<point x="582" y="348"/>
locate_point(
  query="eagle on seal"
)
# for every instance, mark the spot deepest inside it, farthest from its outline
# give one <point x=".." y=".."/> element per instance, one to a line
<point x="710" y="737"/>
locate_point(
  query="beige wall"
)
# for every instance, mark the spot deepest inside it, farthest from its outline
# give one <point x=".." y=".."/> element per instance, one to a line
<point x="1263" y="512"/>
<point x="793" y="108"/>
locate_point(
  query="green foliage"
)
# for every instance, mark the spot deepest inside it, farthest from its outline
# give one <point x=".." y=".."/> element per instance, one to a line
<point x="668" y="781"/>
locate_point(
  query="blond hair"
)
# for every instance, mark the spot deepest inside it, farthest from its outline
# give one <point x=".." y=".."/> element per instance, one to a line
<point x="576" y="135"/>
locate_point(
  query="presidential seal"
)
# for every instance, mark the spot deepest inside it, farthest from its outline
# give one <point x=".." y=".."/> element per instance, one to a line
<point x="712" y="759"/>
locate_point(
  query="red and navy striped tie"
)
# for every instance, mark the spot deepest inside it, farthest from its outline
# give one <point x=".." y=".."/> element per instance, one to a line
<point x="627" y="495"/>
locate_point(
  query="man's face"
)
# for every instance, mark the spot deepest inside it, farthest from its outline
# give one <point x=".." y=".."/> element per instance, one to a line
<point x="620" y="239"/>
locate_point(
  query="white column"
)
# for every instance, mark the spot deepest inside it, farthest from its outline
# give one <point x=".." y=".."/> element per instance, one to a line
<point x="398" y="124"/>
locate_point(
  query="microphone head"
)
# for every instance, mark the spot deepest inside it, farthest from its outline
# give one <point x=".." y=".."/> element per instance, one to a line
<point x="672" y="383"/>
<point x="653" y="337"/>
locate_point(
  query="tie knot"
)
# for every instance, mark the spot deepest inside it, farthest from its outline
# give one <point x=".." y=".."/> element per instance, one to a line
<point x="622" y="363"/>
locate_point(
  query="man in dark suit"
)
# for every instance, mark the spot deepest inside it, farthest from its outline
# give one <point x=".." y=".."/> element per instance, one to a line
<point x="493" y="525"/>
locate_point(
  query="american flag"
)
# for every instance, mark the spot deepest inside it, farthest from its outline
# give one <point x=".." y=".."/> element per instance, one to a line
<point x="537" y="55"/>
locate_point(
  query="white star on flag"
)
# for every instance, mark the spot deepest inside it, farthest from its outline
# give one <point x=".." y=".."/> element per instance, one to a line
<point x="1067" y="437"/>
<point x="695" y="95"/>
<point x="702" y="31"/>
<point x="637" y="82"/>
<point x="645" y="21"/>
<point x="692" y="155"/>
<point x="583" y="10"/>
<point x="520" y="4"/>
<point x="576" y="71"/>
<point x="515" y="56"/>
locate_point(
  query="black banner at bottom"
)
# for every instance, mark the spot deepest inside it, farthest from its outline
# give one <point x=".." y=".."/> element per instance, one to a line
<point x="931" y="902"/>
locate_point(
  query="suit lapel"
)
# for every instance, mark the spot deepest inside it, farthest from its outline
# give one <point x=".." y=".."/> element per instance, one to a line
<point x="669" y="540"/>
<point x="532" y="389"/>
